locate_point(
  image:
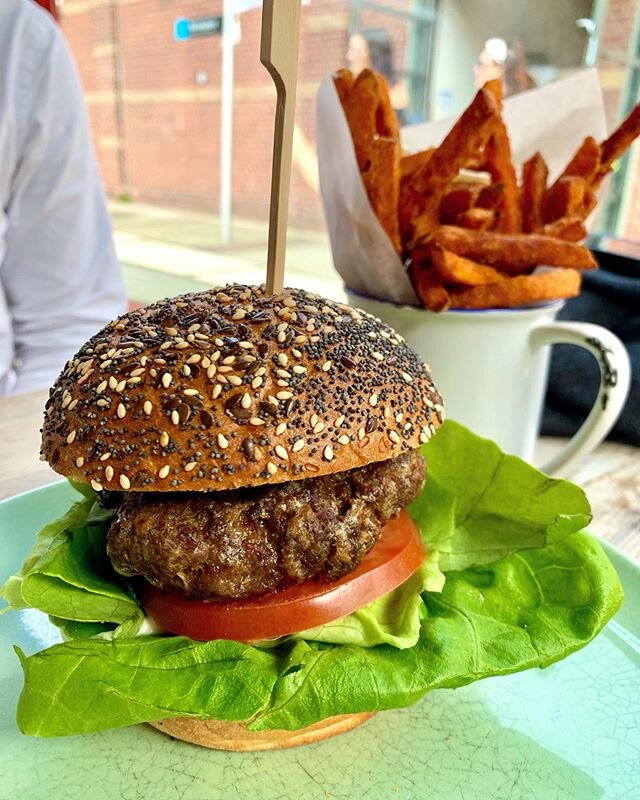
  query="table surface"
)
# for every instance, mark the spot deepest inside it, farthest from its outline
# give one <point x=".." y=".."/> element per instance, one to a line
<point x="610" y="475"/>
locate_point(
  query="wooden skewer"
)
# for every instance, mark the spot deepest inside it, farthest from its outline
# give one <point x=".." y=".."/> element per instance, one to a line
<point x="279" y="53"/>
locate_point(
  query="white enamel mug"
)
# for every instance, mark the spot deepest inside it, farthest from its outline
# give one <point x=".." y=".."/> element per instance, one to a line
<point x="491" y="367"/>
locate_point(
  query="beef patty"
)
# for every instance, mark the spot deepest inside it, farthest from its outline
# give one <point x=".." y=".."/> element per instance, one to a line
<point x="247" y="542"/>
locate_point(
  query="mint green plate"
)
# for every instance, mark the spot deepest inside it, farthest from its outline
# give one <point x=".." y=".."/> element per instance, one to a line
<point x="570" y="732"/>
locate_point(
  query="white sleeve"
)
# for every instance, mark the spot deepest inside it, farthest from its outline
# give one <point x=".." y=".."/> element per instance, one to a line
<point x="60" y="274"/>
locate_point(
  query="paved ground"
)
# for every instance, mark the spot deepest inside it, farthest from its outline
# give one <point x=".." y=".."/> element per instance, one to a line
<point x="169" y="251"/>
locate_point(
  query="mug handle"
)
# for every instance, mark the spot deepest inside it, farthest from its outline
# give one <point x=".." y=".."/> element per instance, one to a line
<point x="615" y="378"/>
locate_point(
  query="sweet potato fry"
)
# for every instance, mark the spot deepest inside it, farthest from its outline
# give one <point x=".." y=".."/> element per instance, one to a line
<point x="382" y="182"/>
<point x="376" y="140"/>
<point x="451" y="268"/>
<point x="458" y="198"/>
<point x="491" y="196"/>
<point x="613" y="147"/>
<point x="585" y="162"/>
<point x="514" y="253"/>
<point x="421" y="195"/>
<point x="519" y="291"/>
<point x="571" y="229"/>
<point x="564" y="199"/>
<point x="499" y="165"/>
<point x="534" y="184"/>
<point x="413" y="162"/>
<point x="343" y="80"/>
<point x="429" y="288"/>
<point x="477" y="219"/>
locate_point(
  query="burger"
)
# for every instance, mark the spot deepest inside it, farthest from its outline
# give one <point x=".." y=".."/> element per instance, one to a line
<point x="242" y="571"/>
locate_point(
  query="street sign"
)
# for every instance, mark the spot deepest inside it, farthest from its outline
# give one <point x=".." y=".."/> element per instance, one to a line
<point x="185" y="28"/>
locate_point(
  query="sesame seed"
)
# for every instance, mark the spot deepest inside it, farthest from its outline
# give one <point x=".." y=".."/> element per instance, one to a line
<point x="282" y="383"/>
<point x="235" y="380"/>
<point x="408" y="378"/>
<point x="296" y="352"/>
<point x="283" y="359"/>
<point x="339" y="420"/>
<point x="102" y="403"/>
<point x="282" y="373"/>
<point x="297" y="446"/>
<point x="139" y="371"/>
<point x="228" y="360"/>
<point x="182" y="345"/>
<point x="256" y="421"/>
<point x="282" y="427"/>
<point x="205" y="363"/>
<point x="423" y="438"/>
<point x="164" y="439"/>
<point x="343" y="439"/>
<point x="175" y="417"/>
<point x="105" y="456"/>
<point x="66" y="401"/>
<point x="326" y="366"/>
<point x="239" y="314"/>
<point x="281" y="452"/>
<point x="186" y="370"/>
<point x="289" y="302"/>
<point x="121" y="411"/>
<point x="121" y="387"/>
<point x="360" y="434"/>
<point x="194" y="358"/>
<point x="271" y="468"/>
<point x="101" y="387"/>
<point x="223" y="442"/>
<point x="394" y="437"/>
<point x="319" y="427"/>
<point x="73" y="404"/>
<point x="108" y="472"/>
<point x="261" y="371"/>
<point x="79" y="461"/>
<point x="256" y="383"/>
<point x="147" y="407"/>
<point x="300" y="339"/>
<point x="284" y="395"/>
<point x="313" y="419"/>
<point x="71" y="437"/>
<point x="216" y="391"/>
<point x="211" y="371"/>
<point x="166" y="345"/>
<point x="373" y="400"/>
<point x="190" y="392"/>
<point x="190" y="466"/>
<point x="281" y="337"/>
<point x="399" y="417"/>
<point x="112" y="382"/>
<point x="166" y="380"/>
<point x="299" y="370"/>
<point x="378" y="356"/>
<point x="245" y="345"/>
<point x="328" y="453"/>
<point x="172" y="331"/>
<point x="164" y="471"/>
<point x="96" y="485"/>
<point x="245" y="401"/>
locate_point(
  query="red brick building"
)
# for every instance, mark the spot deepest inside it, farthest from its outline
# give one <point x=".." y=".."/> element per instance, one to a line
<point x="155" y="102"/>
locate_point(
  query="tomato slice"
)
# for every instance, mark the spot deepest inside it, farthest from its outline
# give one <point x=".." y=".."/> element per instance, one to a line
<point x="394" y="558"/>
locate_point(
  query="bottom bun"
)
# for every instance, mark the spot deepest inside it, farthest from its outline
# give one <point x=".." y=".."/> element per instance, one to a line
<point x="235" y="736"/>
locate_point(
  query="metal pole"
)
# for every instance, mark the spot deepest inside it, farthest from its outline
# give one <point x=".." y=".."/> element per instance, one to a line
<point x="226" y="121"/>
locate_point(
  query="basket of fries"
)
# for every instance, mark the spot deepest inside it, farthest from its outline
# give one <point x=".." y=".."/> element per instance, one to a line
<point x="476" y="217"/>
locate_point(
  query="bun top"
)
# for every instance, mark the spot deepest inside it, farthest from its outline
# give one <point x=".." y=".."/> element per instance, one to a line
<point x="234" y="387"/>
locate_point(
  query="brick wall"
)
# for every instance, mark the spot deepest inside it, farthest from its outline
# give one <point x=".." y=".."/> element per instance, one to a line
<point x="167" y="147"/>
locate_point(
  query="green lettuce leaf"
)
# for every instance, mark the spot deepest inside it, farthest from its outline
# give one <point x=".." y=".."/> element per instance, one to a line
<point x="479" y="505"/>
<point x="392" y="619"/>
<point x="68" y="574"/>
<point x="527" y="610"/>
<point x="523" y="588"/>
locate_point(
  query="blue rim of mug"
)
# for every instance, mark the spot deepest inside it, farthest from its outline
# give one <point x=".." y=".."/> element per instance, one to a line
<point x="551" y="304"/>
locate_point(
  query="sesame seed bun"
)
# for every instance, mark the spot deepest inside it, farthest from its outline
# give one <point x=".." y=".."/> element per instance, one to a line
<point x="235" y="736"/>
<point x="234" y="387"/>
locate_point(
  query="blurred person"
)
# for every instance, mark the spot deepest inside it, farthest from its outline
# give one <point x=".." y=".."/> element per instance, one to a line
<point x="372" y="49"/>
<point x="505" y="62"/>
<point x="59" y="277"/>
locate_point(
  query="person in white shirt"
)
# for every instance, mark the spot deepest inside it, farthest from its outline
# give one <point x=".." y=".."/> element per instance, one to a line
<point x="60" y="280"/>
